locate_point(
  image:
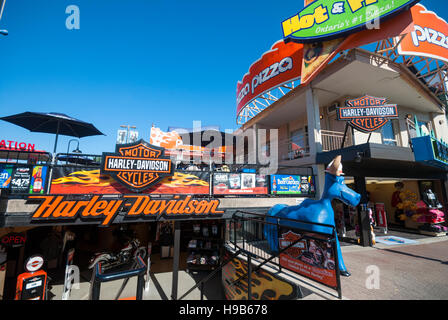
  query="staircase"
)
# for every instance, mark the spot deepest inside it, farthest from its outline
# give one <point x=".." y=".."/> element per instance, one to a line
<point x="302" y="266"/>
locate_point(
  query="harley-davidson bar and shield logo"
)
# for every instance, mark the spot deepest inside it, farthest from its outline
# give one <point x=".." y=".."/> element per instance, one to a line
<point x="367" y="114"/>
<point x="137" y="165"/>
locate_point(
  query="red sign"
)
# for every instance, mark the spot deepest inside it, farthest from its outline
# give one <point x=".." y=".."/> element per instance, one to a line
<point x="429" y="38"/>
<point x="381" y="219"/>
<point x="16" y="146"/>
<point x="13" y="240"/>
<point x="281" y="64"/>
<point x="367" y="113"/>
<point x="309" y="258"/>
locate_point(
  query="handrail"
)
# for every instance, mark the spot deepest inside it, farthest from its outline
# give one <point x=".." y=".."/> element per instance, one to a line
<point x="283" y="218"/>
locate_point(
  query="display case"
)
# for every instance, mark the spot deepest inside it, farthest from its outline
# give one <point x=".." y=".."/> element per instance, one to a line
<point x="204" y="246"/>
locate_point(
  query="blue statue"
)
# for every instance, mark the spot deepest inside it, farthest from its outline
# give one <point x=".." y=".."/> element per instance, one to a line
<point x="316" y="211"/>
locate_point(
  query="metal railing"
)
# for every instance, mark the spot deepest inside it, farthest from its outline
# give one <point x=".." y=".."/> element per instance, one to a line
<point x="245" y="233"/>
<point x="332" y="140"/>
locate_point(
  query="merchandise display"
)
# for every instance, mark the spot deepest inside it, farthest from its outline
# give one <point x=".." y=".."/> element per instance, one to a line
<point x="204" y="247"/>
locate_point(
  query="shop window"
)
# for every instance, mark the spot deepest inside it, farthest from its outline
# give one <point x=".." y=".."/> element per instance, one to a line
<point x="389" y="133"/>
<point x="298" y="146"/>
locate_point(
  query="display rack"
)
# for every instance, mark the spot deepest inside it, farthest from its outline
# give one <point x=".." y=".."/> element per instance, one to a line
<point x="204" y="247"/>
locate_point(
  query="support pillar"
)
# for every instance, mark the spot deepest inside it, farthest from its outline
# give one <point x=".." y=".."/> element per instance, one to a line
<point x="175" y="281"/>
<point x="363" y="217"/>
<point x="313" y="115"/>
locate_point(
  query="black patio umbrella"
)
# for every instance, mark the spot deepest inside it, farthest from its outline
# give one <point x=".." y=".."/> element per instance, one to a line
<point x="52" y="122"/>
<point x="223" y="137"/>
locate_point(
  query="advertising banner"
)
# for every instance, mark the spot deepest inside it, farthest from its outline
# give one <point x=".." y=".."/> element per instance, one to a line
<point x="239" y="183"/>
<point x="429" y="37"/>
<point x="292" y="184"/>
<point x="281" y="64"/>
<point x="311" y="258"/>
<point x="21" y="179"/>
<point x="5" y="175"/>
<point x="38" y="179"/>
<point x="381" y="218"/>
<point x="79" y="180"/>
<point x="324" y="20"/>
<point x="318" y="54"/>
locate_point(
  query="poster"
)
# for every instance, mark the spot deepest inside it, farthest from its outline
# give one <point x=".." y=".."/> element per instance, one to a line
<point x="381" y="219"/>
<point x="5" y="175"/>
<point x="292" y="184"/>
<point x="21" y="179"/>
<point x="79" y="180"/>
<point x="38" y="179"/>
<point x="312" y="258"/>
<point x="239" y="183"/>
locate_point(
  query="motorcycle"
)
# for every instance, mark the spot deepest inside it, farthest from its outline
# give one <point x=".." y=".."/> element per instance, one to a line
<point x="110" y="260"/>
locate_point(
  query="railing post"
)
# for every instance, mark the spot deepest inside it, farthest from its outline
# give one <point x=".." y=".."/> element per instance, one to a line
<point x="249" y="277"/>
<point x="202" y="291"/>
<point x="278" y="245"/>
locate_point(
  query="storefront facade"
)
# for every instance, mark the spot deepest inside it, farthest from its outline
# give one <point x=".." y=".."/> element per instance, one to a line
<point x="176" y="213"/>
<point x="378" y="153"/>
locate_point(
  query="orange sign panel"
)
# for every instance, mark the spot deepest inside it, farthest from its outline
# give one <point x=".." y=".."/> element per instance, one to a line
<point x="281" y="64"/>
<point x="429" y="38"/>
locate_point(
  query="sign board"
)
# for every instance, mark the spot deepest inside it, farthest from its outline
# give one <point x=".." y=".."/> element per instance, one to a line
<point x="21" y="179"/>
<point x="38" y="179"/>
<point x="281" y="64"/>
<point x="137" y="165"/>
<point x="5" y="175"/>
<point x="429" y="37"/>
<point x="292" y="184"/>
<point x="88" y="180"/>
<point x="13" y="240"/>
<point x="104" y="209"/>
<point x="311" y="258"/>
<point x="239" y="183"/>
<point x="324" y="20"/>
<point x="367" y="113"/>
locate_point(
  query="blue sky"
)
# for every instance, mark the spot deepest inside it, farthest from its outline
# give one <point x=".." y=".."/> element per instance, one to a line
<point x="134" y="62"/>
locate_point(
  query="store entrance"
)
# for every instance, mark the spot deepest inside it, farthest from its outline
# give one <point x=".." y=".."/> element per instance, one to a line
<point x="201" y="242"/>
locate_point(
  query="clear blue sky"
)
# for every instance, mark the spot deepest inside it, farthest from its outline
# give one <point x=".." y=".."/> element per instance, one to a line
<point x="133" y="62"/>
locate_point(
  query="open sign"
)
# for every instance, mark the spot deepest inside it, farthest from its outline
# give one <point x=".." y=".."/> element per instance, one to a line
<point x="13" y="240"/>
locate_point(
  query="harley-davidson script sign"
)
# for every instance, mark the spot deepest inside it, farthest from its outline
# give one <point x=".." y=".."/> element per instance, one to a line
<point x="137" y="166"/>
<point x="104" y="209"/>
<point x="367" y="113"/>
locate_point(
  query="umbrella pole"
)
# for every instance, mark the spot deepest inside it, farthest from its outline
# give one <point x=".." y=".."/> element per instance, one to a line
<point x="56" y="140"/>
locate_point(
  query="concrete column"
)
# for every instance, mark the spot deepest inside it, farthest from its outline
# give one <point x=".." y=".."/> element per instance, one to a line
<point x="175" y="282"/>
<point x="319" y="171"/>
<point x="314" y="130"/>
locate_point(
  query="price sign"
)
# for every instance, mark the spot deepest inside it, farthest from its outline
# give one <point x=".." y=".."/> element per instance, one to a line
<point x="20" y="180"/>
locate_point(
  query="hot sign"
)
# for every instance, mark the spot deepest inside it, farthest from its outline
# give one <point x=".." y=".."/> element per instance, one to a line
<point x="367" y="114"/>
<point x="329" y="19"/>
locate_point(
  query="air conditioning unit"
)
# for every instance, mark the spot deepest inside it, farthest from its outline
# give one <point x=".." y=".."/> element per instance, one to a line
<point x="332" y="108"/>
